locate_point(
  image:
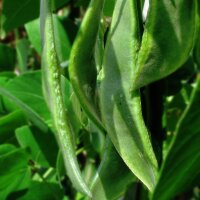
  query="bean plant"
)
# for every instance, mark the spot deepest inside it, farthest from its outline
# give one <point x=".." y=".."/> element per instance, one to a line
<point x="100" y="100"/>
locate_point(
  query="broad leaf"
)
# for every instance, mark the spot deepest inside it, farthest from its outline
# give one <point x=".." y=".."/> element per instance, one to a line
<point x="14" y="171"/>
<point x="62" y="40"/>
<point x="43" y="191"/>
<point x="8" y="124"/>
<point x="22" y="54"/>
<point x="109" y="7"/>
<point x="4" y="78"/>
<point x="28" y="97"/>
<point x="6" y="148"/>
<point x="17" y="13"/>
<point x="42" y="145"/>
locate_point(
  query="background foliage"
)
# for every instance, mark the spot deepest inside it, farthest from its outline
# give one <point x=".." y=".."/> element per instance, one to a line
<point x="31" y="165"/>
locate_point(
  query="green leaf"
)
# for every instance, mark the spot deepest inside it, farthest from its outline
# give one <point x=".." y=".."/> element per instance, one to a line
<point x="113" y="176"/>
<point x="60" y="166"/>
<point x="109" y="7"/>
<point x="28" y="97"/>
<point x="6" y="148"/>
<point x="14" y="172"/>
<point x="83" y="3"/>
<point x="82" y="69"/>
<point x="175" y="105"/>
<point x="41" y="145"/>
<point x="43" y="191"/>
<point x="7" y="57"/>
<point x="4" y="78"/>
<point x="196" y="52"/>
<point x="62" y="41"/>
<point x="97" y="139"/>
<point x="121" y="110"/>
<point x="22" y="47"/>
<point x="33" y="31"/>
<point x="78" y="118"/>
<point x="182" y="164"/>
<point x="7" y="75"/>
<point x="17" y="13"/>
<point x="99" y="48"/>
<point x="9" y="123"/>
<point x="167" y="41"/>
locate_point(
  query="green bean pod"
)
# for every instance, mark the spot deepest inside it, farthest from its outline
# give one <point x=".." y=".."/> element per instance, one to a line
<point x="82" y="69"/>
<point x="112" y="177"/>
<point x="121" y="110"/>
<point x="52" y="78"/>
<point x="167" y="40"/>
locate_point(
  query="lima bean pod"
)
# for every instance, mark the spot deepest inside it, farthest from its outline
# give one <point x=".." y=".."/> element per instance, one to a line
<point x="52" y="79"/>
<point x="112" y="177"/>
<point x="82" y="69"/>
<point x="121" y="110"/>
<point x="167" y="40"/>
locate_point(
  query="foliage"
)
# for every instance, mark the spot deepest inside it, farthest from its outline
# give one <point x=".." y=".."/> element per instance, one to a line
<point x="98" y="101"/>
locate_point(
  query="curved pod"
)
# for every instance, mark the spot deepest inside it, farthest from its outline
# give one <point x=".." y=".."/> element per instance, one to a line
<point x="82" y="69"/>
<point x="121" y="110"/>
<point x="111" y="172"/>
<point x="52" y="79"/>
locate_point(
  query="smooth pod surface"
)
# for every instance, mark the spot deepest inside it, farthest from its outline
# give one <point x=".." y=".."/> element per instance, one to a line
<point x="52" y="79"/>
<point x="121" y="110"/>
<point x="167" y="41"/>
<point x="82" y="69"/>
<point x="113" y="176"/>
